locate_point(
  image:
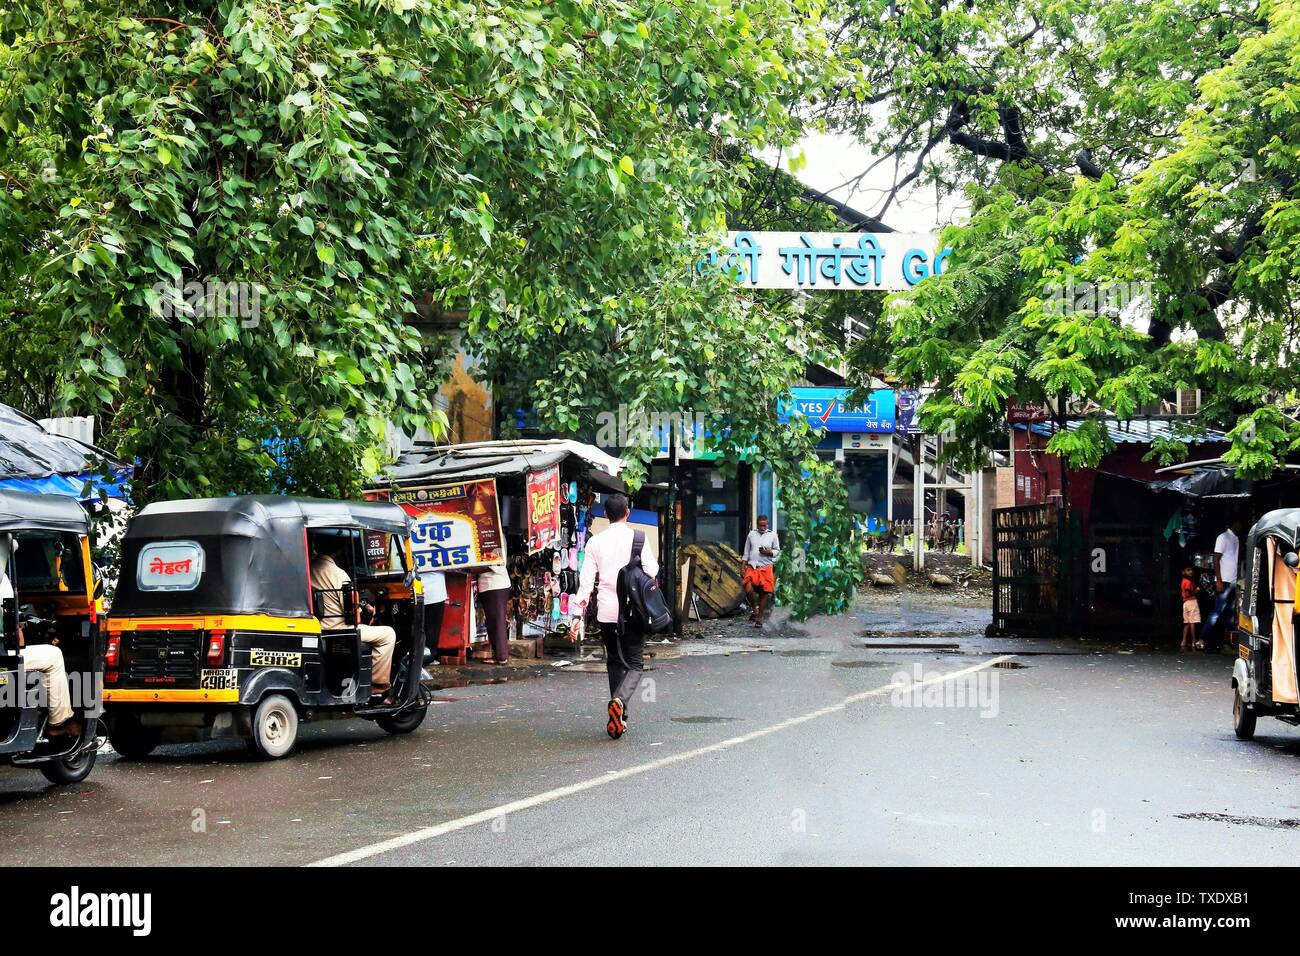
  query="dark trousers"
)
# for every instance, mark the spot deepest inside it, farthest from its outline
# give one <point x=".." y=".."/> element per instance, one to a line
<point x="433" y="626"/>
<point x="494" y="609"/>
<point x="1221" y="619"/>
<point x="624" y="661"/>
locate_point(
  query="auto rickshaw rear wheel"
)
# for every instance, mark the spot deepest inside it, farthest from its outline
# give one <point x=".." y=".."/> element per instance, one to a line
<point x="73" y="770"/>
<point x="406" y="721"/>
<point x="1243" y="716"/>
<point x="275" y="726"/>
<point x="131" y="739"/>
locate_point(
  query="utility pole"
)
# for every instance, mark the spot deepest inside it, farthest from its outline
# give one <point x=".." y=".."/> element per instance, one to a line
<point x="670" y="533"/>
<point x="1065" y="465"/>
<point x="918" y="503"/>
<point x="1065" y="540"/>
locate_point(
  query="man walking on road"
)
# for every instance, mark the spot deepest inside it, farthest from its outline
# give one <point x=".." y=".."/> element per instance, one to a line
<point x="607" y="553"/>
<point x="761" y="550"/>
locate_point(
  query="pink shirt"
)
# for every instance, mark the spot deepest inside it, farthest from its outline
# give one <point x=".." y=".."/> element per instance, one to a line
<point x="607" y="553"/>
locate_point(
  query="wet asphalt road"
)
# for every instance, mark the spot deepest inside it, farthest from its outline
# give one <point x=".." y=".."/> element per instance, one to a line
<point x="1082" y="758"/>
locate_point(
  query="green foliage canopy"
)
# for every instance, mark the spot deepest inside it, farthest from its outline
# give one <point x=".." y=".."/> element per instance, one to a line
<point x="1106" y="143"/>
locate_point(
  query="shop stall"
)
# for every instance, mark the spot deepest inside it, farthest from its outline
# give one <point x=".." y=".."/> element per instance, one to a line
<point x="524" y="508"/>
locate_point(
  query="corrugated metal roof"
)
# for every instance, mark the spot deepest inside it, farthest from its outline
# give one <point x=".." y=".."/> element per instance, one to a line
<point x="1141" y="431"/>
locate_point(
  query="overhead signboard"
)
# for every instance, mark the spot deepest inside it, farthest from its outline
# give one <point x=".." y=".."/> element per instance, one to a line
<point x="1020" y="413"/>
<point x="860" y="261"/>
<point x="455" y="526"/>
<point x="909" y="403"/>
<point x="826" y="408"/>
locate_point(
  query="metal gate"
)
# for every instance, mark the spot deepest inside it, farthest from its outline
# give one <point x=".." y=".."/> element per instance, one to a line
<point x="1028" y="573"/>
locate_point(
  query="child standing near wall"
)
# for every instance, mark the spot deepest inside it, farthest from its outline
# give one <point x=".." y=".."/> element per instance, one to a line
<point x="1191" y="610"/>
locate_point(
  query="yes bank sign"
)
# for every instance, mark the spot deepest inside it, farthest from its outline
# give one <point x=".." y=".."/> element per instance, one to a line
<point x="825" y="408"/>
<point x="858" y="261"/>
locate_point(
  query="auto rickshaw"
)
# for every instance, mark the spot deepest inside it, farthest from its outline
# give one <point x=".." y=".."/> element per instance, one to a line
<point x="49" y="595"/>
<point x="1264" y="673"/>
<point x="216" y="631"/>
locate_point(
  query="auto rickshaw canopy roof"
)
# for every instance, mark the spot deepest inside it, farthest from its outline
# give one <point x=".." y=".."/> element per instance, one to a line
<point x="23" y="511"/>
<point x="254" y="551"/>
<point x="1284" y="525"/>
<point x="252" y="516"/>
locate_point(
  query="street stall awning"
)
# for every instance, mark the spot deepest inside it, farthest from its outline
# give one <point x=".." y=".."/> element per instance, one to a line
<point x="502" y="459"/>
<point x="1208" y="481"/>
<point x="1201" y="481"/>
<point x="38" y="461"/>
<point x="1212" y="478"/>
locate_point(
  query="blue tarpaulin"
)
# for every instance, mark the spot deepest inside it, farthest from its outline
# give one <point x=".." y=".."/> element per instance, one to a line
<point x="35" y="460"/>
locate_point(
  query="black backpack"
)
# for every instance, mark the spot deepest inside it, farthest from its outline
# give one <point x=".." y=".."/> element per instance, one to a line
<point x="641" y="602"/>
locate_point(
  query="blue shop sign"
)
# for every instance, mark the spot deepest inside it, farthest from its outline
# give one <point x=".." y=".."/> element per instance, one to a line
<point x="825" y="408"/>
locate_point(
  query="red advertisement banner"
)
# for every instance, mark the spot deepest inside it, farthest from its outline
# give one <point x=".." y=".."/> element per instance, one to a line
<point x="543" y="491"/>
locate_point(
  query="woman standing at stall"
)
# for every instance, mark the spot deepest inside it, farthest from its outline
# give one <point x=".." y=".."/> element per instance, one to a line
<point x="493" y="596"/>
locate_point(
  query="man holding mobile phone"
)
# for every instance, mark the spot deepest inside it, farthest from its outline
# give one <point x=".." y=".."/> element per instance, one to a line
<point x="761" y="549"/>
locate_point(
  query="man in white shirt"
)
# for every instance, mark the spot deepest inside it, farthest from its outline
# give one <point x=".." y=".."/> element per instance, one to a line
<point x="44" y="659"/>
<point x="761" y="550"/>
<point x="328" y="577"/>
<point x="1226" y="548"/>
<point x="607" y="553"/>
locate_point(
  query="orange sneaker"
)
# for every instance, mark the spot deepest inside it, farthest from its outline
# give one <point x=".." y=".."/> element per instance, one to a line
<point x="617" y="725"/>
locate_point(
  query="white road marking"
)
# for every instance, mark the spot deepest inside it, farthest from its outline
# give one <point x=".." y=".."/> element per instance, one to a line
<point x="559" y="793"/>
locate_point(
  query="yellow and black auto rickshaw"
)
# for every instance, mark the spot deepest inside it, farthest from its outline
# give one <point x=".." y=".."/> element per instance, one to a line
<point x="49" y="631"/>
<point x="216" y="630"/>
<point x="1264" y="675"/>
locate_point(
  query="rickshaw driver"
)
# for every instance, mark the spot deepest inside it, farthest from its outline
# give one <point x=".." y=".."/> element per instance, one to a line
<point x="330" y="579"/>
<point x="44" y="659"/>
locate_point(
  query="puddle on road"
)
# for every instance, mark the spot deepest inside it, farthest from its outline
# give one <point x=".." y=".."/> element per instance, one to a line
<point x="703" y="720"/>
<point x="1272" y="823"/>
<point x="803" y="652"/>
<point x="913" y="634"/>
<point x="856" y="664"/>
<point x="914" y="645"/>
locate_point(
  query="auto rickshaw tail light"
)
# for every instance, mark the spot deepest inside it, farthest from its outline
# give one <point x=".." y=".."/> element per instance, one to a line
<point x="112" y="651"/>
<point x="216" y="647"/>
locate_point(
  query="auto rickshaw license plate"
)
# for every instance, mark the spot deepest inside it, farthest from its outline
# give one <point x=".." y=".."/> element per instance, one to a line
<point x="224" y="679"/>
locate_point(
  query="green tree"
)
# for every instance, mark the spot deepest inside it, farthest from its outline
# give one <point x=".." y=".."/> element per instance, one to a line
<point x="1099" y="143"/>
<point x="610" y="142"/>
<point x="555" y="168"/>
<point x="232" y="143"/>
